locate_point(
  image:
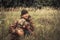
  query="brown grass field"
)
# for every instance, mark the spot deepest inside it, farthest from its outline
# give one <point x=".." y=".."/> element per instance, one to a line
<point x="46" y="21"/>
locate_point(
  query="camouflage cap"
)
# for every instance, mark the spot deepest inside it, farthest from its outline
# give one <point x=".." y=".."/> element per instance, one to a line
<point x="24" y="12"/>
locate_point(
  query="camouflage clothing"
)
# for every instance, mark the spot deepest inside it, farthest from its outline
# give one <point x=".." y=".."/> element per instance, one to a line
<point x="23" y="24"/>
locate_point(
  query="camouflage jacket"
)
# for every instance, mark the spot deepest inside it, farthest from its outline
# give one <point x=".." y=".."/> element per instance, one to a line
<point x="22" y="23"/>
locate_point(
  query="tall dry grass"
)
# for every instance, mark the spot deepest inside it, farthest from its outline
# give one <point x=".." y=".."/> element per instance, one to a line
<point x="46" y="22"/>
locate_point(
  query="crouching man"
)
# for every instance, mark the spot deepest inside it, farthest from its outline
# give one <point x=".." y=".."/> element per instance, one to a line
<point x="22" y="27"/>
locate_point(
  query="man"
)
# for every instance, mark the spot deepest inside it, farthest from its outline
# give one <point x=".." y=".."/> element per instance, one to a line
<point x="23" y="26"/>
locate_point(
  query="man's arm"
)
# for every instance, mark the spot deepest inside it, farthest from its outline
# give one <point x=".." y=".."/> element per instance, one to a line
<point x="30" y="30"/>
<point x="32" y="25"/>
<point x="12" y="27"/>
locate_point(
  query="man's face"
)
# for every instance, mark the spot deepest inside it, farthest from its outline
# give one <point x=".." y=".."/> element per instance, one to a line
<point x="25" y="16"/>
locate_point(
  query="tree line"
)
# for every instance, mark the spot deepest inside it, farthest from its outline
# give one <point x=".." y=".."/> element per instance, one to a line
<point x="29" y="3"/>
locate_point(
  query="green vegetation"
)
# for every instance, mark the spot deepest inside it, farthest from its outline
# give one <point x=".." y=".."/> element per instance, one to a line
<point x="29" y="3"/>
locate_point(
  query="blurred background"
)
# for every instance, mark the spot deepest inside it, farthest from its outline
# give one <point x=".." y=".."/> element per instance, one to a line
<point x="29" y="3"/>
<point x="45" y="15"/>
